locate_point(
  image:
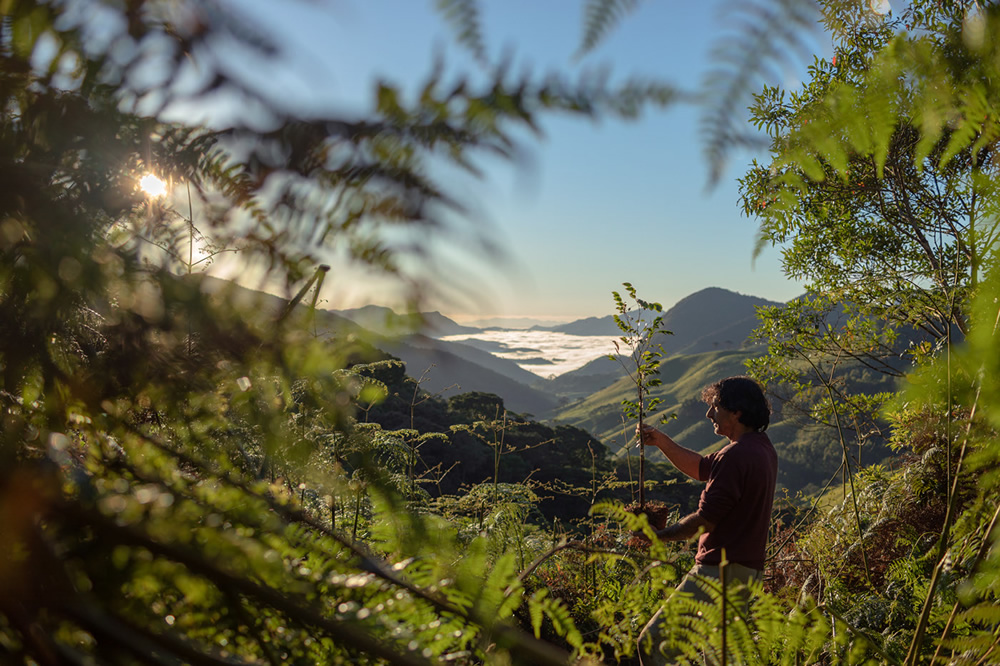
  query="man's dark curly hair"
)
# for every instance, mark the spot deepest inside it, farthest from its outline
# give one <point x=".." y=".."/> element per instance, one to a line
<point x="741" y="394"/>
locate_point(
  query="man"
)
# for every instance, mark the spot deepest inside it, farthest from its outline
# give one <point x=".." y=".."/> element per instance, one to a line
<point x="734" y="510"/>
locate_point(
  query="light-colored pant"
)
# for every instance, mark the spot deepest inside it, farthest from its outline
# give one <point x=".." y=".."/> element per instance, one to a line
<point x="696" y="583"/>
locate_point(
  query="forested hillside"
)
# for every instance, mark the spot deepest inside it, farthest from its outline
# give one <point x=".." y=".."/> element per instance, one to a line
<point x="213" y="475"/>
<point x="470" y="443"/>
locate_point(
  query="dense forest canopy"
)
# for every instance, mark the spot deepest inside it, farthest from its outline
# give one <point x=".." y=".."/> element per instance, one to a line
<point x="189" y="477"/>
<point x="878" y="201"/>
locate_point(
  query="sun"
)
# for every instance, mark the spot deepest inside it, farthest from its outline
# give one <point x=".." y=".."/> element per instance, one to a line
<point x="152" y="185"/>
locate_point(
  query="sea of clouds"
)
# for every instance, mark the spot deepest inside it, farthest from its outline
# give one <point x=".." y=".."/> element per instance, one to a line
<point x="545" y="353"/>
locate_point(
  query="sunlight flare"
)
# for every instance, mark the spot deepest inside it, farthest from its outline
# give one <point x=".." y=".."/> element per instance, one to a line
<point x="153" y="186"/>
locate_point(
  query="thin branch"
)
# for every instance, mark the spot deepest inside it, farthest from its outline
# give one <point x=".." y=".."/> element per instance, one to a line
<point x="850" y="477"/>
<point x="913" y="654"/>
<point x="983" y="548"/>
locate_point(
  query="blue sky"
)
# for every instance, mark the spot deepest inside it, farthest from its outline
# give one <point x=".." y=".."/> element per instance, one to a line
<point x="598" y="203"/>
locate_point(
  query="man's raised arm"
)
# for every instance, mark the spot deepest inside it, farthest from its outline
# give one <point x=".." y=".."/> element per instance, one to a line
<point x="686" y="460"/>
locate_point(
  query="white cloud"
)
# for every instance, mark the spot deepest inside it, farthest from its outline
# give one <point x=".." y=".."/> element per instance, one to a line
<point x="544" y="353"/>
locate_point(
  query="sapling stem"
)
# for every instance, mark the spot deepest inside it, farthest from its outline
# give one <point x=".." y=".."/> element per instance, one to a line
<point x="642" y="452"/>
<point x="644" y="358"/>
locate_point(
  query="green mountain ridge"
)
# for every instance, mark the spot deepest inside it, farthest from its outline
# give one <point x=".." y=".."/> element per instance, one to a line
<point x="809" y="453"/>
<point x="706" y="313"/>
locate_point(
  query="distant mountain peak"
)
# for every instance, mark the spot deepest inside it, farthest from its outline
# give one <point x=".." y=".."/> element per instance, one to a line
<point x="719" y="293"/>
<point x="385" y="321"/>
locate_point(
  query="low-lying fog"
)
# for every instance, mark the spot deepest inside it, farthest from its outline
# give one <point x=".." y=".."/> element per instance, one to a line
<point x="544" y="353"/>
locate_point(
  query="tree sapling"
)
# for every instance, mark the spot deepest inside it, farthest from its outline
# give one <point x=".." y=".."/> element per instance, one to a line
<point x="644" y="356"/>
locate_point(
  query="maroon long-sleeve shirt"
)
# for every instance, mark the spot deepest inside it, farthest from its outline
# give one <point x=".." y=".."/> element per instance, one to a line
<point x="737" y="499"/>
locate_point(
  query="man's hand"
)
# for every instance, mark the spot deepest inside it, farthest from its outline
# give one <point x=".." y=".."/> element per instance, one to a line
<point x="686" y="460"/>
<point x="650" y="436"/>
<point x="642" y="536"/>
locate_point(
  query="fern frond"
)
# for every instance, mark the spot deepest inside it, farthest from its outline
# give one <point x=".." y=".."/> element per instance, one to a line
<point x="535" y="610"/>
<point x="600" y="17"/>
<point x="541" y="605"/>
<point x="766" y="37"/>
<point x="986" y="613"/>
<point x="463" y="15"/>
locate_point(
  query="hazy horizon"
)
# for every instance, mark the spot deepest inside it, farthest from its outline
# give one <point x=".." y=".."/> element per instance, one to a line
<point x="510" y="321"/>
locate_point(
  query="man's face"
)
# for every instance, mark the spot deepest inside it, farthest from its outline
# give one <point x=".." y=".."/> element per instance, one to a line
<point x="726" y="423"/>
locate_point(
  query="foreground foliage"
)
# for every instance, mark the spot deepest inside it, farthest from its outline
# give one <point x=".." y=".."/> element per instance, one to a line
<point x="883" y="186"/>
<point x="185" y="477"/>
<point x="181" y="477"/>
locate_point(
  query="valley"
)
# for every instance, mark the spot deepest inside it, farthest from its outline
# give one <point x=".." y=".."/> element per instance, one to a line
<point x="710" y="338"/>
